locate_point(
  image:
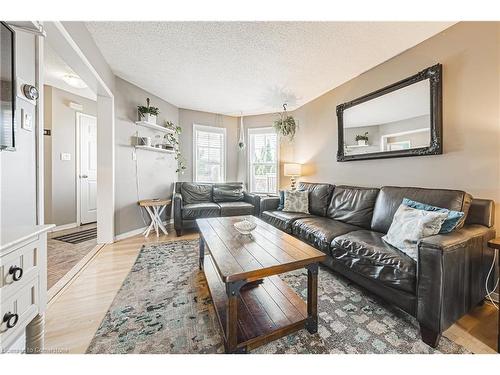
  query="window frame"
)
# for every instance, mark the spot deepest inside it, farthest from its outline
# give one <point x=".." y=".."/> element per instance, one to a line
<point x="262" y="130"/>
<point x="209" y="129"/>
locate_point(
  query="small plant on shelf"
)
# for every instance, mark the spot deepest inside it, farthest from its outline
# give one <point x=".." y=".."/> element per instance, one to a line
<point x="362" y="139"/>
<point x="148" y="113"/>
<point x="173" y="140"/>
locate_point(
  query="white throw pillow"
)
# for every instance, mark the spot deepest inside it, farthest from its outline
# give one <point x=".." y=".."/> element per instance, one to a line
<point x="296" y="201"/>
<point x="411" y="225"/>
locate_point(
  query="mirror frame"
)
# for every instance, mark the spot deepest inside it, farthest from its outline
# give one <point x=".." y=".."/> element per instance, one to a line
<point x="434" y="74"/>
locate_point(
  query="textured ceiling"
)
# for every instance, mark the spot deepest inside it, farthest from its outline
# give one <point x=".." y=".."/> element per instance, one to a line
<point x="56" y="69"/>
<point x="250" y="67"/>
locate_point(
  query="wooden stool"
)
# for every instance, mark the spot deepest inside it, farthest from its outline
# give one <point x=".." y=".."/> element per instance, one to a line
<point x="155" y="208"/>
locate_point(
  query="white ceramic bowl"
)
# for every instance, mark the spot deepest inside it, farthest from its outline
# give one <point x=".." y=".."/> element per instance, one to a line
<point x="245" y="226"/>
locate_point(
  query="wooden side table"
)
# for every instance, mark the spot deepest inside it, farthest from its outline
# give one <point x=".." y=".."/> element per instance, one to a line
<point x="155" y="208"/>
<point x="494" y="244"/>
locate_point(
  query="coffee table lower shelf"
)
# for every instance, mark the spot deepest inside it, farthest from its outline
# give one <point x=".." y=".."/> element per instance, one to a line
<point x="266" y="311"/>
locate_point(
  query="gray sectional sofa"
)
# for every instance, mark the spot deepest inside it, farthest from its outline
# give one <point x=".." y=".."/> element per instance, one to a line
<point x="348" y="222"/>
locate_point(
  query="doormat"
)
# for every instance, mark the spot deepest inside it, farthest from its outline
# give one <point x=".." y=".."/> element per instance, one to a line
<point x="77" y="237"/>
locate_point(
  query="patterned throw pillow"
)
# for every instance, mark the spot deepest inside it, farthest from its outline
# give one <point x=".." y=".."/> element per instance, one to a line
<point x="296" y="201"/>
<point x="451" y="222"/>
<point x="411" y="225"/>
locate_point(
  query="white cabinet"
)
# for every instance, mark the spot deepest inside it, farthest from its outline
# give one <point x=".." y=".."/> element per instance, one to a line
<point x="23" y="286"/>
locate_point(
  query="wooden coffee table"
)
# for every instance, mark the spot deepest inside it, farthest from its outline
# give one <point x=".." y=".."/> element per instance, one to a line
<point x="253" y="305"/>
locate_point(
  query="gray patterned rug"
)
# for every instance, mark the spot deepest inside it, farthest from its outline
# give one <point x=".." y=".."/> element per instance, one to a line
<point x="164" y="306"/>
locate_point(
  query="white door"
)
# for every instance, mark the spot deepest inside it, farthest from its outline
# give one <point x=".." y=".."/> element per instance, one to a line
<point x="88" y="168"/>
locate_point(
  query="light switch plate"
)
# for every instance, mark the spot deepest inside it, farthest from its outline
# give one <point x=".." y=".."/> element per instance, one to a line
<point x="26" y="120"/>
<point x="65" y="156"/>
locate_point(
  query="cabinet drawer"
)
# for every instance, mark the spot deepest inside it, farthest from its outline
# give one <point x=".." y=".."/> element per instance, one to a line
<point x="19" y="264"/>
<point x="21" y="308"/>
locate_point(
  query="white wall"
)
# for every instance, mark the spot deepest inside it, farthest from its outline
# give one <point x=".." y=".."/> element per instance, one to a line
<point x="18" y="202"/>
<point x="155" y="171"/>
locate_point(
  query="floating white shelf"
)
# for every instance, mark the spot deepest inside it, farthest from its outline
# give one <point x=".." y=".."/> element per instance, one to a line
<point x="154" y="126"/>
<point x="151" y="148"/>
<point x="356" y="146"/>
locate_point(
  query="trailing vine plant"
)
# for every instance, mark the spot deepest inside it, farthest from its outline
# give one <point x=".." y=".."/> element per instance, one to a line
<point x="173" y="139"/>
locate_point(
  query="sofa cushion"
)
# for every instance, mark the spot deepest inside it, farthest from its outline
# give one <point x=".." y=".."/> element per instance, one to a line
<point x="390" y="198"/>
<point x="353" y="205"/>
<point x="320" y="231"/>
<point x="196" y="193"/>
<point x="236" y="208"/>
<point x="228" y="192"/>
<point x="199" y="210"/>
<point x="281" y="219"/>
<point x="319" y="196"/>
<point x="365" y="253"/>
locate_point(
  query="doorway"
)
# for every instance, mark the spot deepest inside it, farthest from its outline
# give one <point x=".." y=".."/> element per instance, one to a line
<point x="70" y="169"/>
<point x="86" y="197"/>
<point x="86" y="66"/>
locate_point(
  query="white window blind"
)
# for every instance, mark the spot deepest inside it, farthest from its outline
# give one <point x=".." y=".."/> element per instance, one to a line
<point x="263" y="160"/>
<point x="209" y="153"/>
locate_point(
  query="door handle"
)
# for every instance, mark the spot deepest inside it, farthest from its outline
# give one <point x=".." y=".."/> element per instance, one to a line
<point x="83" y="176"/>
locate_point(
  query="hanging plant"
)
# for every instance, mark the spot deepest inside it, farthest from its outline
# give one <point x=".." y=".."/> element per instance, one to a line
<point x="173" y="139"/>
<point x="241" y="141"/>
<point x="286" y="125"/>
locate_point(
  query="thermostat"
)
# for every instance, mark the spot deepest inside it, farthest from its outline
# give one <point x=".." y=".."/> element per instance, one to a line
<point x="30" y="91"/>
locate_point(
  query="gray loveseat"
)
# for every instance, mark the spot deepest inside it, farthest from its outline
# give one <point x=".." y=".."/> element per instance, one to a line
<point x="199" y="200"/>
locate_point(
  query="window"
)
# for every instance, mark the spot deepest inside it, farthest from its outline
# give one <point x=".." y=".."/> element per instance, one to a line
<point x="263" y="160"/>
<point x="209" y="153"/>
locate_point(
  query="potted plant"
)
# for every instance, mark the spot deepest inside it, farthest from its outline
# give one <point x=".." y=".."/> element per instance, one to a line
<point x="286" y="125"/>
<point x="148" y="113"/>
<point x="362" y="139"/>
<point x="173" y="140"/>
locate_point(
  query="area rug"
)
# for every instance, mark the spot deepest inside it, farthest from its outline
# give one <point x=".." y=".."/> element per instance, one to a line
<point x="164" y="306"/>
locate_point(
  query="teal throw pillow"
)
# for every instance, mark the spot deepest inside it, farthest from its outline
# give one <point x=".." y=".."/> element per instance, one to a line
<point x="451" y="221"/>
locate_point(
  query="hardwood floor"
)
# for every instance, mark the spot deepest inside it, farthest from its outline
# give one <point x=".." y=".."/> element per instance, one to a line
<point x="74" y="315"/>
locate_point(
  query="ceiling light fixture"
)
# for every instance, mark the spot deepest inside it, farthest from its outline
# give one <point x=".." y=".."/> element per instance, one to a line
<point x="74" y="81"/>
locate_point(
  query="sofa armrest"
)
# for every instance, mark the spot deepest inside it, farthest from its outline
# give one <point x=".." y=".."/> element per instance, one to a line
<point x="269" y="203"/>
<point x="254" y="200"/>
<point x="178" y="202"/>
<point x="452" y="270"/>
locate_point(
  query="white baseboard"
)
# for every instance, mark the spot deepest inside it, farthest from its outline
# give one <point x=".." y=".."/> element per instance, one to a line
<point x="64" y="227"/>
<point x="128" y="234"/>
<point x="135" y="232"/>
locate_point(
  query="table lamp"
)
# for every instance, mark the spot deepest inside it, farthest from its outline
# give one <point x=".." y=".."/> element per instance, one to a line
<point x="292" y="170"/>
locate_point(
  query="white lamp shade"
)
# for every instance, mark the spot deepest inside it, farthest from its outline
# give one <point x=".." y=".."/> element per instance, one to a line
<point x="292" y="169"/>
